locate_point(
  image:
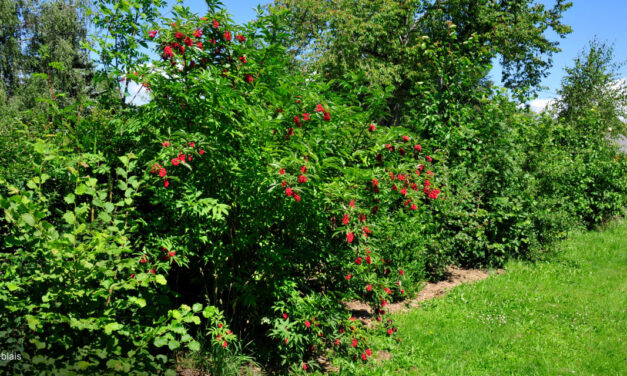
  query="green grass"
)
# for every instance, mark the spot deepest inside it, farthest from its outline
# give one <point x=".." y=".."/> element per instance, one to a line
<point x="566" y="316"/>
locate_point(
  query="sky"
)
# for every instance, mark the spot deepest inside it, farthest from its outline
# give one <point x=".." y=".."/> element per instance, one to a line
<point x="604" y="19"/>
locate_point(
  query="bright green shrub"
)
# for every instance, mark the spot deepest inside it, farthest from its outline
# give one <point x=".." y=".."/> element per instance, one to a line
<point x="76" y="295"/>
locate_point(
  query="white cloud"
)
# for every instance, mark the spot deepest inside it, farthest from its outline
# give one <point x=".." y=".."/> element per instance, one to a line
<point x="539" y="105"/>
<point x="139" y="95"/>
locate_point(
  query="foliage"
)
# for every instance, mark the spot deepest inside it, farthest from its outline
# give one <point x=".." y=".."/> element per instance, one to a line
<point x="76" y="297"/>
<point x="594" y="84"/>
<point x="390" y="41"/>
<point x="247" y="159"/>
<point x="44" y="37"/>
<point x="246" y="202"/>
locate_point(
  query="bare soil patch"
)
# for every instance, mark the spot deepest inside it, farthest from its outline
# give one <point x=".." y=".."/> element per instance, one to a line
<point x="455" y="276"/>
<point x="180" y="371"/>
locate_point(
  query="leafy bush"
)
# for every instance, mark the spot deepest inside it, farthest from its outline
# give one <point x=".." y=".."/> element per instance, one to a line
<point x="247" y="202"/>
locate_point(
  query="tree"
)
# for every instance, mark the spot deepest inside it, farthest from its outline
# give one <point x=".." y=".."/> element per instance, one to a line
<point x="55" y="48"/>
<point x="43" y="37"/>
<point x="594" y="83"/>
<point x="391" y="40"/>
<point x="12" y="16"/>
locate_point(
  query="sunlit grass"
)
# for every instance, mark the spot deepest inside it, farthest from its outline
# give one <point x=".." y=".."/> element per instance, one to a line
<point x="566" y="316"/>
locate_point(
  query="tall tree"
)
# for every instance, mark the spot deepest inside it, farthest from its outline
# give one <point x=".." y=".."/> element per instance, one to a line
<point x="390" y="40"/>
<point x="55" y="47"/>
<point x="14" y="15"/>
<point x="43" y="37"/>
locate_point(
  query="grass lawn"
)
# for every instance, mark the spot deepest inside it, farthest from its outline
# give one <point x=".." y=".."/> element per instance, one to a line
<point x="562" y="317"/>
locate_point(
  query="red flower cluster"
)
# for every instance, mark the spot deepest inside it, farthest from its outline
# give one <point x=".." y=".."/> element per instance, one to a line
<point x="433" y="194"/>
<point x="167" y="52"/>
<point x="349" y="237"/>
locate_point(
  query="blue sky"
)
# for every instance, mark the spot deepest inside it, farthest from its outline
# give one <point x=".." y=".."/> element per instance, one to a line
<point x="605" y="19"/>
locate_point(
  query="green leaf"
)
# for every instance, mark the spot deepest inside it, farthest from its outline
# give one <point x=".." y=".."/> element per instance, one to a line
<point x="70" y="199"/>
<point x="121" y="172"/>
<point x="104" y="217"/>
<point x="112" y="327"/>
<point x="82" y="365"/>
<point x="81" y="189"/>
<point x="194" y="346"/>
<point x="114" y="364"/>
<point x="69" y="218"/>
<point x="160" y="341"/>
<point x="33" y="322"/>
<point x="160" y="279"/>
<point x="29" y="219"/>
<point x="197" y="307"/>
<point x="186" y="338"/>
<point x="209" y="311"/>
<point x="174" y="344"/>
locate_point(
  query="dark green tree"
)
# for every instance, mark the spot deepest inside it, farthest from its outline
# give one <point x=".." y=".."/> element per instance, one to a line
<point x="55" y="48"/>
<point x="14" y="16"/>
<point x="41" y="50"/>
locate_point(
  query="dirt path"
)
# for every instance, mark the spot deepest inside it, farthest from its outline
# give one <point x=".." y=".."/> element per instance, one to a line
<point x="456" y="276"/>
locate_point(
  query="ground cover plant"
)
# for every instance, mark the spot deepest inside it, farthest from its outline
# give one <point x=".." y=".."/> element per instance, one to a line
<point x="229" y="218"/>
